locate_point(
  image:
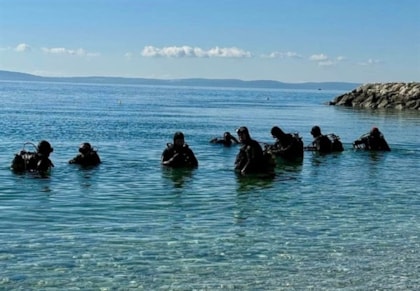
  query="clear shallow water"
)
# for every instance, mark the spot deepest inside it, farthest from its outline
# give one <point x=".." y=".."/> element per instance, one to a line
<point x="349" y="220"/>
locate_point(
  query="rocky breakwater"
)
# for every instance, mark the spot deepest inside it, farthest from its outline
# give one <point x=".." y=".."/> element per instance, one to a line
<point x="382" y="95"/>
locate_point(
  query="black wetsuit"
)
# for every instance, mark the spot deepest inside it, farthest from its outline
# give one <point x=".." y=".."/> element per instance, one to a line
<point x="89" y="159"/>
<point x="372" y="142"/>
<point x="288" y="147"/>
<point x="322" y="144"/>
<point x="31" y="161"/>
<point x="179" y="156"/>
<point x="250" y="158"/>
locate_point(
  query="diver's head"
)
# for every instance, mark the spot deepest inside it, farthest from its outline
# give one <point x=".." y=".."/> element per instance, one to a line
<point x="316" y="130"/>
<point x="178" y="138"/>
<point x="85" y="148"/>
<point x="44" y="148"/>
<point x="243" y="133"/>
<point x="375" y="132"/>
<point x="276" y="131"/>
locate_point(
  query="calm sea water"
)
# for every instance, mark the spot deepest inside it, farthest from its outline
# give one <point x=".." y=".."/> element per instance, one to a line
<point x="344" y="221"/>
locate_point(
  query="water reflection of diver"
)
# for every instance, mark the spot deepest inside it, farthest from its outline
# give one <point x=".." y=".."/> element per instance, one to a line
<point x="251" y="159"/>
<point x="178" y="154"/>
<point x="87" y="156"/>
<point x="178" y="176"/>
<point x="249" y="183"/>
<point x="37" y="161"/>
<point x="227" y="140"/>
<point x="374" y="140"/>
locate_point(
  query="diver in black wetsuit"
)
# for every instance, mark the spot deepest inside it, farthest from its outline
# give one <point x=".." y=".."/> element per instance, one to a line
<point x="38" y="161"/>
<point x="227" y="140"/>
<point x="87" y="156"/>
<point x="179" y="154"/>
<point x="287" y="146"/>
<point x="374" y="141"/>
<point x="251" y="159"/>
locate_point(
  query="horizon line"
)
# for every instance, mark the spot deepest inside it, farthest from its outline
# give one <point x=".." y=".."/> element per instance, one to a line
<point x="178" y="79"/>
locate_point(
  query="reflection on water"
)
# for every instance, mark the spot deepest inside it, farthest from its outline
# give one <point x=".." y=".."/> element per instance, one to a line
<point x="178" y="176"/>
<point x="383" y="113"/>
<point x="86" y="174"/>
<point x="244" y="206"/>
<point x="289" y="166"/>
<point x="252" y="182"/>
<point x="318" y="159"/>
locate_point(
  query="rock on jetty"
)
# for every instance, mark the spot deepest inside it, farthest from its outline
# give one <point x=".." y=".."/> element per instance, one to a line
<point x="382" y="95"/>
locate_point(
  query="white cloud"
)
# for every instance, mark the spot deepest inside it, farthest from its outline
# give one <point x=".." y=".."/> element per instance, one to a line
<point x="63" y="51"/>
<point x="369" y="62"/>
<point x="194" y="52"/>
<point x="318" y="57"/>
<point x="232" y="52"/>
<point x="325" y="61"/>
<point x="282" y="55"/>
<point x="22" y="47"/>
<point x="272" y="55"/>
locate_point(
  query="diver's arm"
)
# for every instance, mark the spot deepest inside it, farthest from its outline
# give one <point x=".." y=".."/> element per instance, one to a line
<point x="234" y="139"/>
<point x="166" y="158"/>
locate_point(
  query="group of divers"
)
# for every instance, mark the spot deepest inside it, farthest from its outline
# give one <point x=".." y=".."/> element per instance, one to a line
<point x="252" y="158"/>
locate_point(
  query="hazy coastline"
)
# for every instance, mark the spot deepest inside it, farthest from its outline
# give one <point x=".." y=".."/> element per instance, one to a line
<point x="197" y="82"/>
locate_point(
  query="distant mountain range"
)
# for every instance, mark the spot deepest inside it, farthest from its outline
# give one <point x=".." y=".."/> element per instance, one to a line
<point x="196" y="82"/>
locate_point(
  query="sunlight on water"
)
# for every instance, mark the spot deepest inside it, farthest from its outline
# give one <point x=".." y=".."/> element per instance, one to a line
<point x="347" y="220"/>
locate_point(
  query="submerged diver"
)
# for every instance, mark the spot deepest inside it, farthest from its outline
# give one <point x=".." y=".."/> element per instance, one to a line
<point x="374" y="140"/>
<point x="287" y="146"/>
<point x="37" y="161"/>
<point x="178" y="154"/>
<point x="227" y="140"/>
<point x="324" y="143"/>
<point x="87" y="156"/>
<point x="251" y="158"/>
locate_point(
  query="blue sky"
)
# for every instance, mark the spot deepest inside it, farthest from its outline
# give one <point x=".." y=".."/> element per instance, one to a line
<point x="290" y="41"/>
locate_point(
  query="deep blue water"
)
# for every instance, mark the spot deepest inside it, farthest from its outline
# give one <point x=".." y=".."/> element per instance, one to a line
<point x="343" y="221"/>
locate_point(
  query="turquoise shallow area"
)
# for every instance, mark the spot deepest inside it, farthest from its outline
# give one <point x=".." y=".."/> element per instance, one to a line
<point x="343" y="221"/>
